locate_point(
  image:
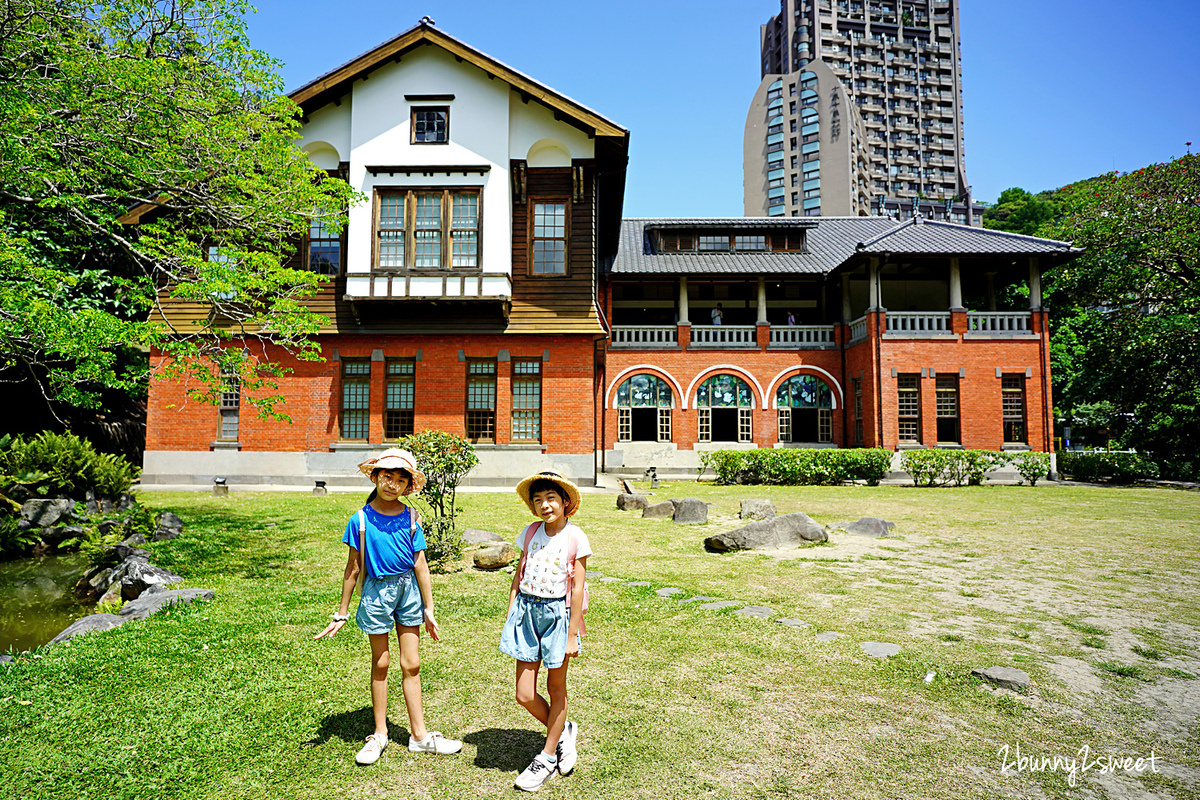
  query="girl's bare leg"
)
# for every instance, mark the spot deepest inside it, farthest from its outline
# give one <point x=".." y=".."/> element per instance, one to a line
<point x="380" y="661"/>
<point x="410" y="666"/>
<point x="556" y="685"/>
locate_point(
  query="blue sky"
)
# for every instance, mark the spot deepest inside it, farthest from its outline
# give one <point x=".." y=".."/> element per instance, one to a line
<point x="1054" y="90"/>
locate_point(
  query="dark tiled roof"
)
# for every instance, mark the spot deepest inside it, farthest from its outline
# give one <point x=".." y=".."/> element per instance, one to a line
<point x="924" y="237"/>
<point x="830" y="243"/>
<point x="833" y="242"/>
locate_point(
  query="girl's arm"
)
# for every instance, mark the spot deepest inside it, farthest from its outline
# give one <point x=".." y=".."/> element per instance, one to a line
<point x="576" y="605"/>
<point x="512" y="590"/>
<point x="421" y="571"/>
<point x="349" y="579"/>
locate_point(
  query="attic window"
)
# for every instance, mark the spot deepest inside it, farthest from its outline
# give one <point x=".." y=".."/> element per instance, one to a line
<point x="430" y="124"/>
<point x="745" y="241"/>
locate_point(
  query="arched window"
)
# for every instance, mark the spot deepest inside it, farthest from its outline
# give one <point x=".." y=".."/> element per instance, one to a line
<point x="805" y="407"/>
<point x="724" y="405"/>
<point x="644" y="410"/>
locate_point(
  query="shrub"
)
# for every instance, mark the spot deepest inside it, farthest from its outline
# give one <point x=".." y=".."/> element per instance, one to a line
<point x="1032" y="466"/>
<point x="957" y="467"/>
<point x="1117" y="467"/>
<point x="792" y="467"/>
<point x="61" y="465"/>
<point x="445" y="459"/>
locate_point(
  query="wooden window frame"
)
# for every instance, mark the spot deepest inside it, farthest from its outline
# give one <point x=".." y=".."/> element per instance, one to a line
<point x="470" y="425"/>
<point x="412" y="128"/>
<point x="447" y="228"/>
<point x="943" y="391"/>
<point x="341" y="249"/>
<point x="531" y="239"/>
<point x="902" y="418"/>
<point x="526" y="378"/>
<point x="363" y="378"/>
<point x="390" y="378"/>
<point x="1007" y="418"/>
<point x="230" y="409"/>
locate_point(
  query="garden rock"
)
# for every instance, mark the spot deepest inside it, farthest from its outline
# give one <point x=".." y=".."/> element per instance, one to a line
<point x="873" y="527"/>
<point x="167" y="526"/>
<point x="668" y="591"/>
<point x="636" y="583"/>
<point x="6" y="659"/>
<point x="152" y="601"/>
<point x="136" y="576"/>
<point x="632" y="502"/>
<point x="122" y="552"/>
<point x="495" y="556"/>
<point x="45" y="512"/>
<point x="789" y="530"/>
<point x="664" y="510"/>
<point x="57" y="534"/>
<point x="794" y="623"/>
<point x="472" y="536"/>
<point x="134" y="539"/>
<point x="93" y="583"/>
<point x="92" y="622"/>
<point x="829" y="636"/>
<point x="1011" y="678"/>
<point x="700" y="598"/>
<point x="758" y="612"/>
<point x="718" y="605"/>
<point x="691" y="511"/>
<point x="757" y="509"/>
<point x="880" y="649"/>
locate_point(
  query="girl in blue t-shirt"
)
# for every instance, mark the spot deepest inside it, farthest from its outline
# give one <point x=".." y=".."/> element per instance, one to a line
<point x="396" y="593"/>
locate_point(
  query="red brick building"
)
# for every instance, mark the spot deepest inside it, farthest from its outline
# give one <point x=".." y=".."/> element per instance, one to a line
<point x="488" y="287"/>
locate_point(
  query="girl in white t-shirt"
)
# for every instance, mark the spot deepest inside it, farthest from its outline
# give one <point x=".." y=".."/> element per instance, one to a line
<point x="545" y="610"/>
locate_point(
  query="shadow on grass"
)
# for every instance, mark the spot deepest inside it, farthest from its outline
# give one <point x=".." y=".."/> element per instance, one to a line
<point x="353" y="726"/>
<point x="229" y="541"/>
<point x="505" y="749"/>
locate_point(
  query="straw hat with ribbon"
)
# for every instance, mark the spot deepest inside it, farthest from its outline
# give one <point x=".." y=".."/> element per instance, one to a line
<point x="395" y="458"/>
<point x="572" y="495"/>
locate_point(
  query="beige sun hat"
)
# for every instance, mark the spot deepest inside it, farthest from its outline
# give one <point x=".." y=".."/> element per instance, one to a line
<point x="574" y="498"/>
<point x="395" y="458"/>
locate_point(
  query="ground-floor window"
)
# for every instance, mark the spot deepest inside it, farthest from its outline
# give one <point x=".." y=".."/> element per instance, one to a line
<point x="356" y="397"/>
<point x="398" y="398"/>
<point x="858" y="412"/>
<point x="481" y="400"/>
<point x="724" y="408"/>
<point x="527" y="400"/>
<point x="805" y="406"/>
<point x="908" y="400"/>
<point x="1012" y="400"/>
<point x="644" y="405"/>
<point x="947" y="409"/>
<point x="231" y="403"/>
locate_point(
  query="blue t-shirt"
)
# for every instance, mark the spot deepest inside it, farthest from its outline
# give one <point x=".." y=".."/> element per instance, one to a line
<point x="392" y="544"/>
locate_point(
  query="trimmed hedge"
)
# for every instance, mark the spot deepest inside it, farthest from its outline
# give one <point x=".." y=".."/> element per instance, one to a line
<point x="1116" y="467"/>
<point x="788" y="467"/>
<point x="945" y="467"/>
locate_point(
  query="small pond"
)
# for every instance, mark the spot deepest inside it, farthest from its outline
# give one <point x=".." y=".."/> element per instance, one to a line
<point x="36" y="599"/>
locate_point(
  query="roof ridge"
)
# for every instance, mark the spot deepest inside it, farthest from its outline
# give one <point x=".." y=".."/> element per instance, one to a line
<point x="911" y="221"/>
<point x="995" y="232"/>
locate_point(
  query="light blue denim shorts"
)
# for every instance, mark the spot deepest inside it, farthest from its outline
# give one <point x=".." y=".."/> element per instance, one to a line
<point x="536" y="630"/>
<point x="389" y="601"/>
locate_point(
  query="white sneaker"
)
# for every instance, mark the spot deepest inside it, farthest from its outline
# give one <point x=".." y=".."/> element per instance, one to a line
<point x="536" y="774"/>
<point x="567" y="755"/>
<point x="434" y="742"/>
<point x="372" y="749"/>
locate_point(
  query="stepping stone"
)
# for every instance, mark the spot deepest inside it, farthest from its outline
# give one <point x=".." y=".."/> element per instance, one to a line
<point x="700" y="598"/>
<point x="829" y="636"/>
<point x="610" y="579"/>
<point x="794" y="623"/>
<point x="594" y="574"/>
<point x="1011" y="678"/>
<point x="717" y="606"/>
<point x="636" y="583"/>
<point x="880" y="649"/>
<point x="758" y="612"/>
<point x="667" y="592"/>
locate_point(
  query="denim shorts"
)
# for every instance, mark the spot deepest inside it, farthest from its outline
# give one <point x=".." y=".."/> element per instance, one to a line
<point x="536" y="630"/>
<point x="389" y="601"/>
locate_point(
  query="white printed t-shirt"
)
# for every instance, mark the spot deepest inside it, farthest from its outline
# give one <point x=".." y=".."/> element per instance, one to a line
<point x="546" y="565"/>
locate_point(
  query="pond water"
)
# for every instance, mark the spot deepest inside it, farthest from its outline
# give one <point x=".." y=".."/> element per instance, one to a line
<point x="36" y="599"/>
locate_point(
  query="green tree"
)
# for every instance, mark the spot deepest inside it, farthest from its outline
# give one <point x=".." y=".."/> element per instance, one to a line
<point x="1018" y="211"/>
<point x="162" y="108"/>
<point x="1130" y="304"/>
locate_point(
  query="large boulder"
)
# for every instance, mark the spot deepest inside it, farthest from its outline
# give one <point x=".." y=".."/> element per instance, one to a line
<point x="167" y="526"/>
<point x="474" y="536"/>
<point x="872" y="527"/>
<point x="45" y="512"/>
<point x="663" y="510"/>
<point x="157" y="598"/>
<point x="57" y="534"/>
<point x="136" y="576"/>
<point x="691" y="511"/>
<point x="93" y="584"/>
<point x="789" y="530"/>
<point x="495" y="556"/>
<point x="93" y="622"/>
<point x="632" y="502"/>
<point x="757" y="509"/>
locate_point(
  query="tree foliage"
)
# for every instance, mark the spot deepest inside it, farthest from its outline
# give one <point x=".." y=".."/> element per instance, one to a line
<point x="158" y="106"/>
<point x="1128" y="330"/>
<point x="1018" y="211"/>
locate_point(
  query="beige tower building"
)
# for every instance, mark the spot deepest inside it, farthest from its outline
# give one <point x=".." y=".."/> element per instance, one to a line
<point x="859" y="111"/>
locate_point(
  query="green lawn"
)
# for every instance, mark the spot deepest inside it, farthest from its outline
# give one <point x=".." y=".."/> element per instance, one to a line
<point x="1092" y="591"/>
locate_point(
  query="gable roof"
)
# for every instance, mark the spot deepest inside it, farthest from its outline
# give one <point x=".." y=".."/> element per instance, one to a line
<point x="337" y="82"/>
<point x="916" y="236"/>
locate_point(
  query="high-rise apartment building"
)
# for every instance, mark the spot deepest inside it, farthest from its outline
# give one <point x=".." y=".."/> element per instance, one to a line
<point x="859" y="111"/>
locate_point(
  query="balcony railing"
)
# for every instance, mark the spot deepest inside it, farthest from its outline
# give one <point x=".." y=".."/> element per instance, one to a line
<point x="647" y="335"/>
<point x="918" y="322"/>
<point x="728" y="335"/>
<point x="801" y="335"/>
<point x="1002" y="322"/>
<point x="858" y="329"/>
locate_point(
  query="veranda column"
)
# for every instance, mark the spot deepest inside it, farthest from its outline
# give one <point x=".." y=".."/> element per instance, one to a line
<point x="1035" y="285"/>
<point x="873" y="284"/>
<point x="845" y="297"/>
<point x="762" y="299"/>
<point x="956" y="303"/>
<point x="683" y="300"/>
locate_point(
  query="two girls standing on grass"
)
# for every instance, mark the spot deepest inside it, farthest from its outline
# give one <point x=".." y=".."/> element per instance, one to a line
<point x="387" y="546"/>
